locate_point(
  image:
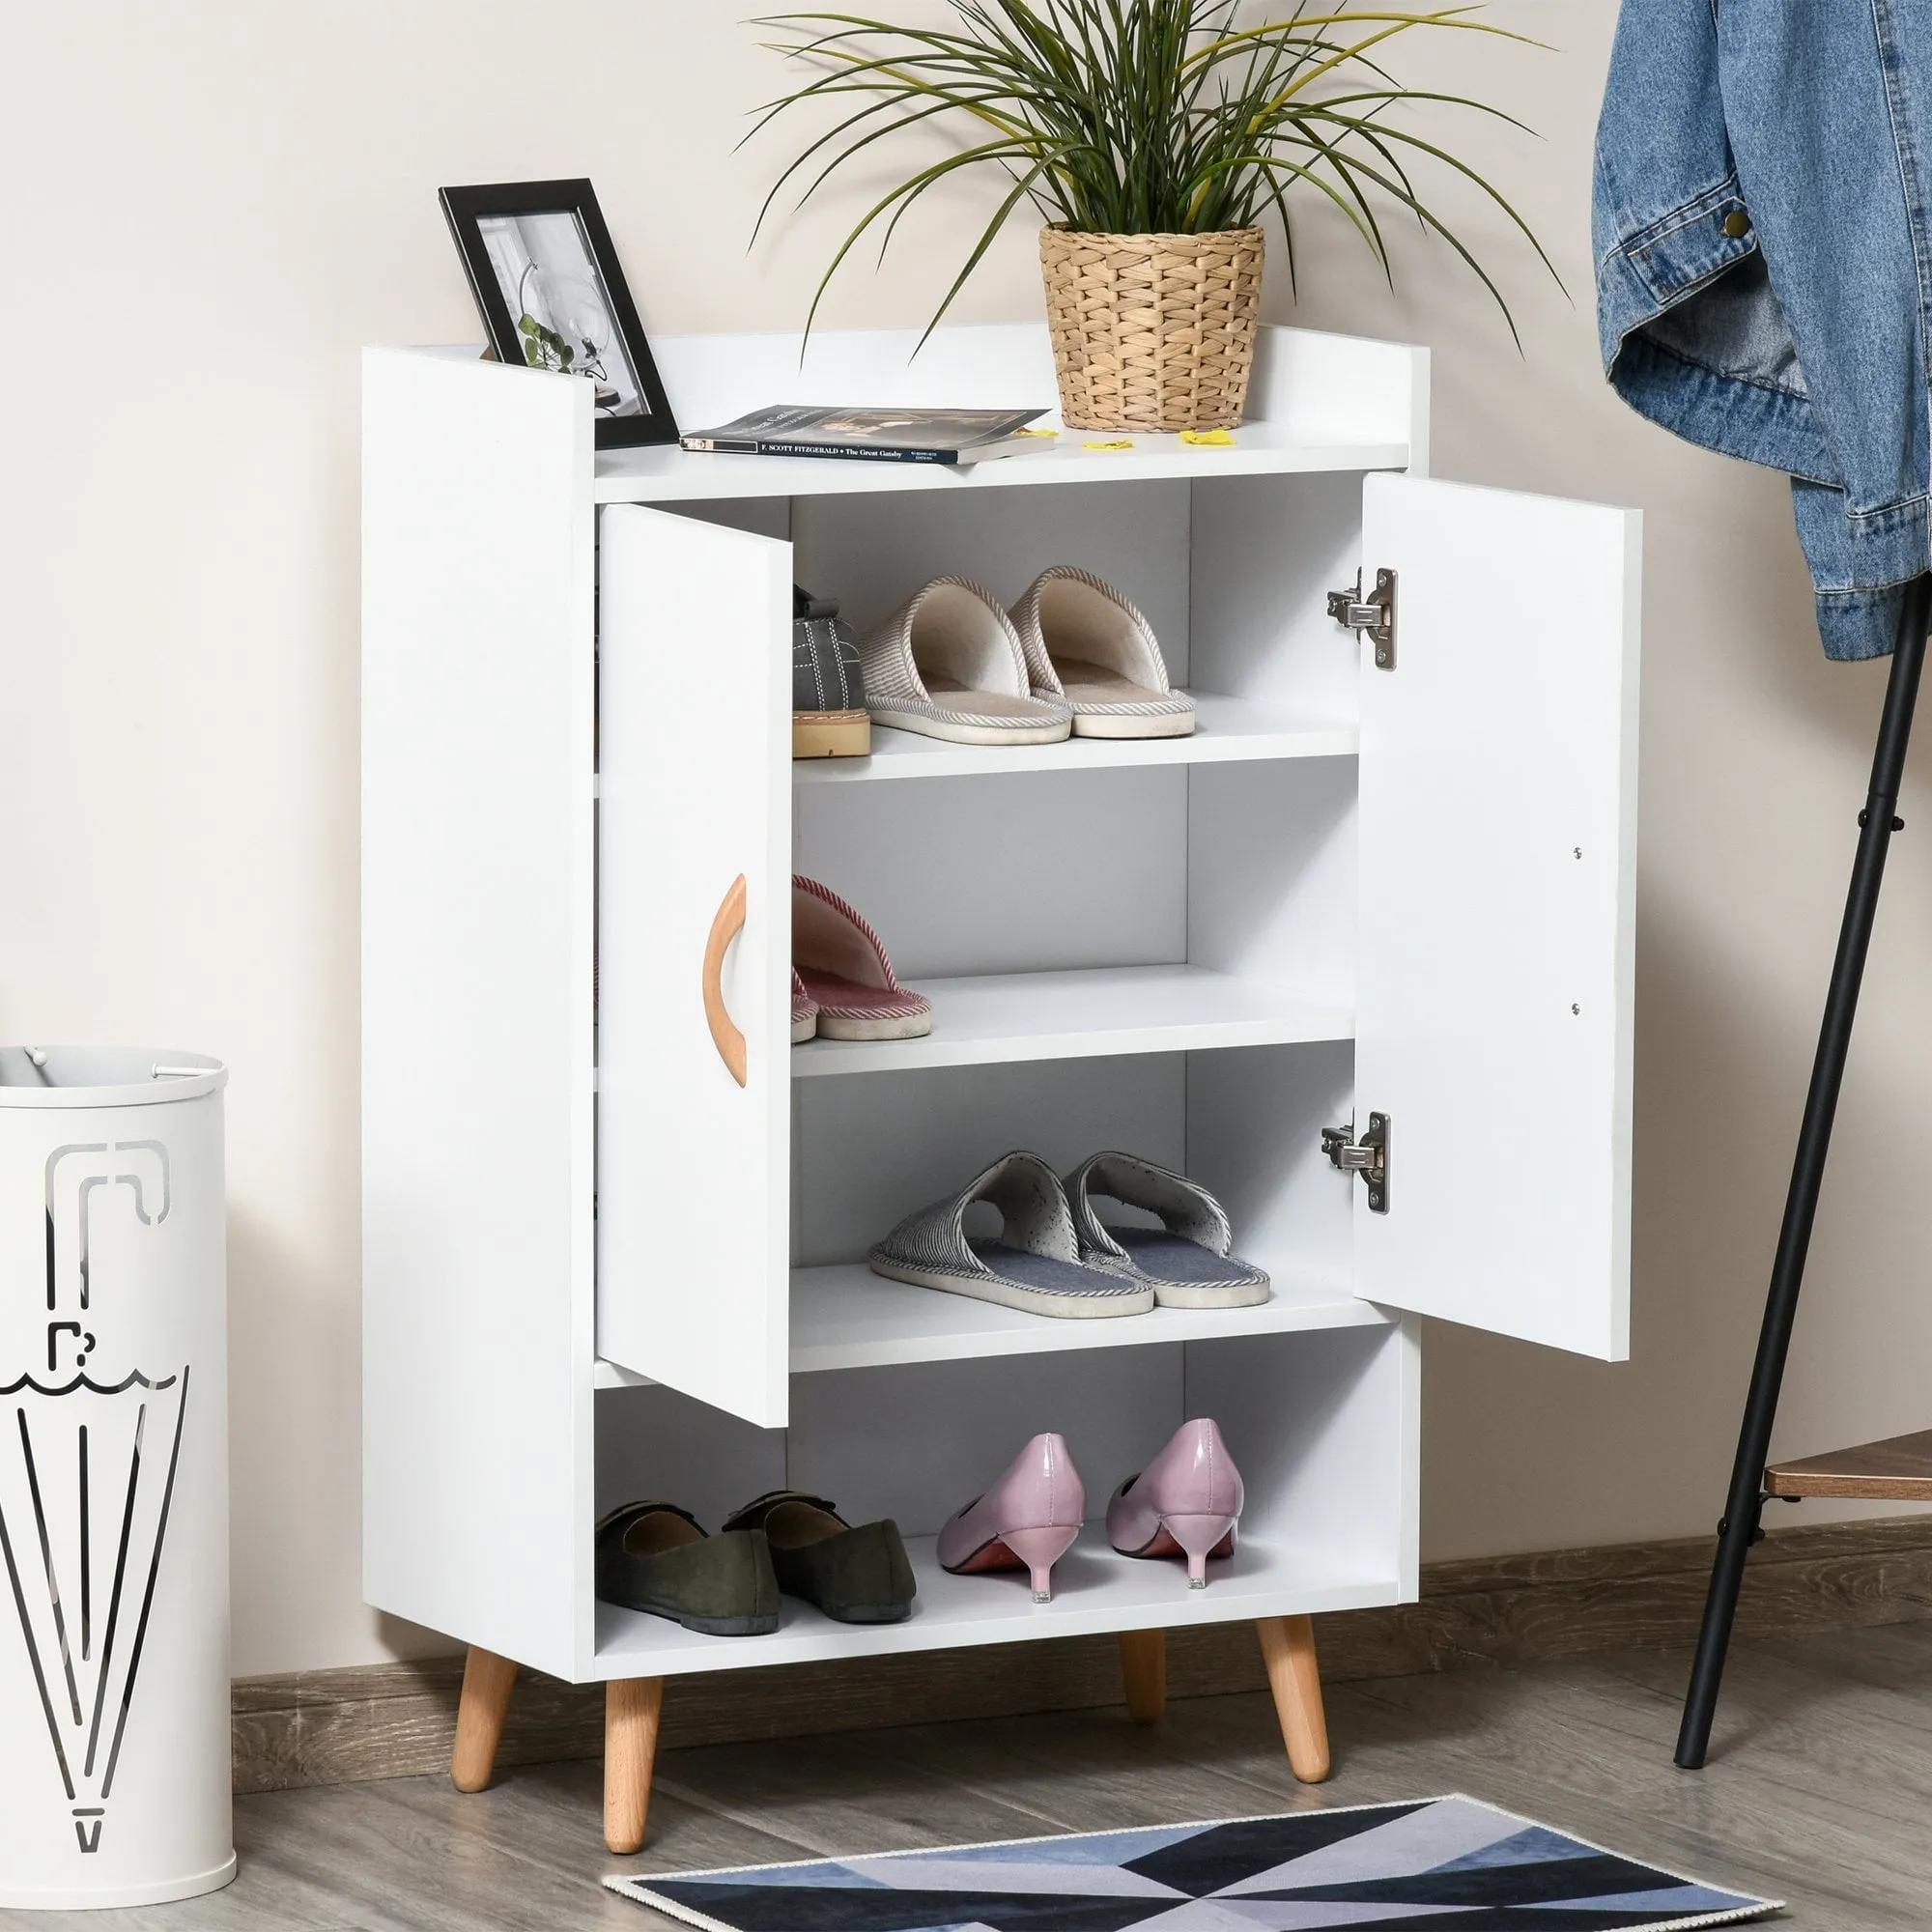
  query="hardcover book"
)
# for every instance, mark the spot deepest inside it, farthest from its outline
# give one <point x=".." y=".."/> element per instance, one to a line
<point x="875" y="435"/>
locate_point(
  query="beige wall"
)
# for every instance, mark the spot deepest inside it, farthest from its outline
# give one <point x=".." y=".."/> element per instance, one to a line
<point x="215" y="202"/>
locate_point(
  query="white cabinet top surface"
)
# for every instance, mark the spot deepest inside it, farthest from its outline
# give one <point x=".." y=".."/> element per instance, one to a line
<point x="670" y="474"/>
<point x="1317" y="402"/>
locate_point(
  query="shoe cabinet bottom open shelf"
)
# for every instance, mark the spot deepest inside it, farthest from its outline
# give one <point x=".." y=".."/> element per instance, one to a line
<point x="1095" y="1590"/>
<point x="1320" y="1422"/>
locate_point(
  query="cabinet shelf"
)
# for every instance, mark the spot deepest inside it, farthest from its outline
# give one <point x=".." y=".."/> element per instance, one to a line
<point x="849" y="1318"/>
<point x="1228" y="730"/>
<point x="1095" y="1590"/>
<point x="1001" y="1017"/>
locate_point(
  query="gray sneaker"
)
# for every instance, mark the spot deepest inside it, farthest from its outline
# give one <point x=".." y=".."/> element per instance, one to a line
<point x="829" y="719"/>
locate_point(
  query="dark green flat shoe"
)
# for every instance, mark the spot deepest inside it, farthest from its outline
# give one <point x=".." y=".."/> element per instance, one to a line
<point x="857" y="1575"/>
<point x="654" y="1557"/>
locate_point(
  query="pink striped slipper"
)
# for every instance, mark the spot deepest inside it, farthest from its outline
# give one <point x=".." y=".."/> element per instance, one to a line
<point x="804" y="1011"/>
<point x="845" y="972"/>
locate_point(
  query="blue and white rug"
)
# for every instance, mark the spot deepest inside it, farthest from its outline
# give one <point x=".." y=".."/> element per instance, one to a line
<point x="1446" y="1865"/>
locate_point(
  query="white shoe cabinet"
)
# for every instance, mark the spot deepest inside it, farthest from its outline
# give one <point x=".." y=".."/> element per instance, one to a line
<point x="1390" y="880"/>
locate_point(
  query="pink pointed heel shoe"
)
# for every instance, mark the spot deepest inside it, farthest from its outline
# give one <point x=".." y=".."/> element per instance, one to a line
<point x="1186" y="1502"/>
<point x="1028" y="1520"/>
<point x="1036" y="1549"/>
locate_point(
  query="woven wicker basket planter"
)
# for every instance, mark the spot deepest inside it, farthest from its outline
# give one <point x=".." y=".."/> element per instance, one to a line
<point x="1152" y="331"/>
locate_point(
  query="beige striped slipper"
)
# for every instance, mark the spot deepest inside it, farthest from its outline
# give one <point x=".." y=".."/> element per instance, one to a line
<point x="947" y="663"/>
<point x="1086" y="643"/>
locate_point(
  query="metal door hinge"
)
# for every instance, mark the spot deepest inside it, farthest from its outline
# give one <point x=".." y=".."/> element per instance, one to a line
<point x="1368" y="1156"/>
<point x="1373" y="615"/>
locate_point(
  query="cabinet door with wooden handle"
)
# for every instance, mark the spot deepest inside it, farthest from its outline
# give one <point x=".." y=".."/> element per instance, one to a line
<point x="724" y="929"/>
<point x="694" y="959"/>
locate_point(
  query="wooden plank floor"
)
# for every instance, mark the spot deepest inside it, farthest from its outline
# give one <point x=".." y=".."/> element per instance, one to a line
<point x="1819" y="1791"/>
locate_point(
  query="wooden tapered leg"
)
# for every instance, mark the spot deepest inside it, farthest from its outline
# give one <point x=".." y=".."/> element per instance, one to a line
<point x="632" y="1709"/>
<point x="487" y="1683"/>
<point x="1144" y="1664"/>
<point x="1287" y="1648"/>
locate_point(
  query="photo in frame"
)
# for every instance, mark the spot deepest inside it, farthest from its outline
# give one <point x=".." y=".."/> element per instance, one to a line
<point x="546" y="279"/>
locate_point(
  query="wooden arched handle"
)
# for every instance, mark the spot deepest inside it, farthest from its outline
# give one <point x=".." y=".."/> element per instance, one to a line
<point x="724" y="929"/>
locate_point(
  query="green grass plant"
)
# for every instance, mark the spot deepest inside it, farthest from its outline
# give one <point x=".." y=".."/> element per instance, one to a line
<point x="1132" y="116"/>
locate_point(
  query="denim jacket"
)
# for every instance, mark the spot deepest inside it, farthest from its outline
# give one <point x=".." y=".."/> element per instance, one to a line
<point x="1763" y="236"/>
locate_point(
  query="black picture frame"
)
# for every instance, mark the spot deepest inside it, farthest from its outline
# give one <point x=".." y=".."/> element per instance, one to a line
<point x="569" y="293"/>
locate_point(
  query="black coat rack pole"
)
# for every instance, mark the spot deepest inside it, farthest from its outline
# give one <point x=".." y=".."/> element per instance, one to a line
<point x="1739" y="1529"/>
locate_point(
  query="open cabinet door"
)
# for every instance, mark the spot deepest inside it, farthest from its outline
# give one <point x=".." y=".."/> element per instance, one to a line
<point x="1498" y="853"/>
<point x="694" y="958"/>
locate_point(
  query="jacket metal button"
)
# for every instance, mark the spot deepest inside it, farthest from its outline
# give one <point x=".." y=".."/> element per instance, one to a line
<point x="1737" y="224"/>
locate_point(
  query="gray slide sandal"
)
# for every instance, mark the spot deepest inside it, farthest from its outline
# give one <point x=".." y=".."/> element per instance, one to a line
<point x="1033" y="1264"/>
<point x="1187" y="1261"/>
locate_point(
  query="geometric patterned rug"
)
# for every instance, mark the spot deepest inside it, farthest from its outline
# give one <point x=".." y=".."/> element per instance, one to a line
<point x="1442" y="1865"/>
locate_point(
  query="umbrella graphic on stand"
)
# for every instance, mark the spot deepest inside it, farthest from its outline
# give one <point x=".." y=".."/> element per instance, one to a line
<point x="88" y="1447"/>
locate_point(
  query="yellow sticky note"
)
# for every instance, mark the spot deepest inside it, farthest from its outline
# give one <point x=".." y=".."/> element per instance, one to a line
<point x="1125" y="443"/>
<point x="1037" y="432"/>
<point x="1208" y="439"/>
